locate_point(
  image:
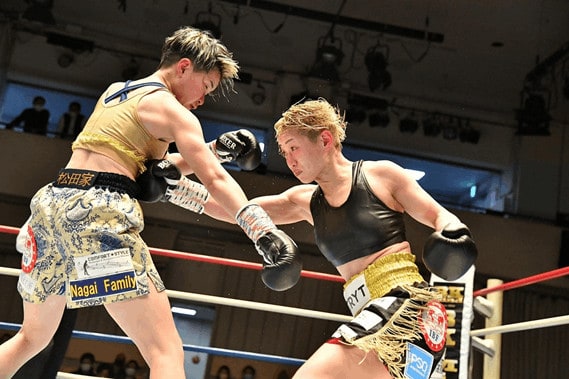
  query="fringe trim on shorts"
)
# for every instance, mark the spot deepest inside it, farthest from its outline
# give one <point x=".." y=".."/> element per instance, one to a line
<point x="390" y="342"/>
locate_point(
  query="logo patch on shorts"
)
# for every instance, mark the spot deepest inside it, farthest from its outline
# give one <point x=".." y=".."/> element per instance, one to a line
<point x="102" y="286"/>
<point x="103" y="274"/>
<point x="418" y="363"/>
<point x="433" y="321"/>
<point x="30" y="253"/>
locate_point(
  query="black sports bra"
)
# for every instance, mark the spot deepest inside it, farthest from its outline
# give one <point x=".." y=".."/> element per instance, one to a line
<point x="359" y="227"/>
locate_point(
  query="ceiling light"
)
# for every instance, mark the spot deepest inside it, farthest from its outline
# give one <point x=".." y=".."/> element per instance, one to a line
<point x="329" y="56"/>
<point x="408" y="124"/>
<point x="533" y="118"/>
<point x="431" y="126"/>
<point x="209" y="21"/>
<point x="469" y="134"/>
<point x="450" y="132"/>
<point x="376" y="62"/>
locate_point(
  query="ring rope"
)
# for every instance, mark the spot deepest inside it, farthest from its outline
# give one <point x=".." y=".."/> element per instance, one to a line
<point x="211" y="259"/>
<point x="526" y="325"/>
<point x="235" y="303"/>
<point x="524" y="281"/>
<point x="187" y="347"/>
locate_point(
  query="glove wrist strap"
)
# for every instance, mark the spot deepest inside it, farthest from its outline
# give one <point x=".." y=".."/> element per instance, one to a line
<point x="221" y="158"/>
<point x="254" y="221"/>
<point x="188" y="194"/>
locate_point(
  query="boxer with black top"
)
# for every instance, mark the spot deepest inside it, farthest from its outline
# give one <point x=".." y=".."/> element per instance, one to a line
<point x="356" y="208"/>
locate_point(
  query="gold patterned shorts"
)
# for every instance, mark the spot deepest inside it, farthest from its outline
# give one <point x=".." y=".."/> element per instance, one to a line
<point x="397" y="317"/>
<point x="85" y="244"/>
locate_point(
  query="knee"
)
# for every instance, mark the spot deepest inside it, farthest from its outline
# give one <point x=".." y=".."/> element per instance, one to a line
<point x="172" y="352"/>
<point x="33" y="342"/>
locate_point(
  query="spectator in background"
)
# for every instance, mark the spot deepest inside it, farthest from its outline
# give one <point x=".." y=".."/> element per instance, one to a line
<point x="35" y="119"/>
<point x="248" y="372"/>
<point x="105" y="370"/>
<point x="71" y="122"/>
<point x="131" y="369"/>
<point x="119" y="366"/>
<point x="86" y="365"/>
<point x="223" y="372"/>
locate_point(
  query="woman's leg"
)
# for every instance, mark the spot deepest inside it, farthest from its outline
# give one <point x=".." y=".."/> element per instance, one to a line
<point x="334" y="361"/>
<point x="39" y="325"/>
<point x="148" y="321"/>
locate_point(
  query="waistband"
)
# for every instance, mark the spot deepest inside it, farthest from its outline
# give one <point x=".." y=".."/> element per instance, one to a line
<point x="85" y="179"/>
<point x="380" y="277"/>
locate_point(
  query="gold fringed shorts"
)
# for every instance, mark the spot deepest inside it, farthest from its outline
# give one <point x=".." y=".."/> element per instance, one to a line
<point x="396" y="316"/>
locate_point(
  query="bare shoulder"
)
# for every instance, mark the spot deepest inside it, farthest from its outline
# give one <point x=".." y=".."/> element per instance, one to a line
<point x="382" y="169"/>
<point x="300" y="194"/>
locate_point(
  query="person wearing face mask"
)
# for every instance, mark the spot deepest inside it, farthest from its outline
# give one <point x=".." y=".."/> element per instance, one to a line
<point x="131" y="369"/>
<point x="81" y="246"/>
<point x="223" y="372"/>
<point x="35" y="119"/>
<point x="71" y="122"/>
<point x="248" y="372"/>
<point x="86" y="365"/>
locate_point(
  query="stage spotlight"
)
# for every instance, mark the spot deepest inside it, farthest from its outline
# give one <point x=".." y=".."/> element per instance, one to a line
<point x="379" y="117"/>
<point x="210" y="22"/>
<point x="450" y="130"/>
<point x="533" y="119"/>
<point x="408" y="124"/>
<point x="431" y="126"/>
<point x="329" y="56"/>
<point x="469" y="135"/>
<point x="376" y="62"/>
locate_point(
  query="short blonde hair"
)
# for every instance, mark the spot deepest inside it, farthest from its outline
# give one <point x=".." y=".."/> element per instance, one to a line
<point x="312" y="117"/>
<point x="205" y="52"/>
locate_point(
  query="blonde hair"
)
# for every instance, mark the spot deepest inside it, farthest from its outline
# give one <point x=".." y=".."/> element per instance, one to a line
<point x="312" y="117"/>
<point x="205" y="52"/>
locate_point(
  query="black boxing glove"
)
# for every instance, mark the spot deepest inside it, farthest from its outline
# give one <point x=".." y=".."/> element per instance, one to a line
<point x="281" y="261"/>
<point x="153" y="183"/>
<point x="238" y="146"/>
<point x="451" y="252"/>
<point x="163" y="181"/>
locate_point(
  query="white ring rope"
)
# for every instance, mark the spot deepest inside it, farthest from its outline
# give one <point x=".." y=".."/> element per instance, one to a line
<point x="542" y="323"/>
<point x="526" y="325"/>
<point x="235" y="303"/>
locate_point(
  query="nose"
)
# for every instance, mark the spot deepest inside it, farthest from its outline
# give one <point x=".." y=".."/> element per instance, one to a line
<point x="290" y="161"/>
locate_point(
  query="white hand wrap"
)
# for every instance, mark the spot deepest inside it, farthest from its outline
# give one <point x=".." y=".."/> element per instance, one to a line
<point x="187" y="194"/>
<point x="254" y="221"/>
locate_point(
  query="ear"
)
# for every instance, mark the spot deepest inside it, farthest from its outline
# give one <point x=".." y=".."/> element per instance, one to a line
<point x="326" y="138"/>
<point x="183" y="65"/>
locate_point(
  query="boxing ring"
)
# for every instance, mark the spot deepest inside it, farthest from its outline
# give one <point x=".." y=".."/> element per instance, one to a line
<point x="487" y="302"/>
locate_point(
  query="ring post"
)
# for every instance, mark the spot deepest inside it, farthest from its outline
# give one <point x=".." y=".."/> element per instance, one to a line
<point x="491" y="366"/>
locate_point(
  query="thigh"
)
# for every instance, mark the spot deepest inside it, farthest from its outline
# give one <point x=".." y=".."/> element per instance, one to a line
<point x="337" y="361"/>
<point x="149" y="322"/>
